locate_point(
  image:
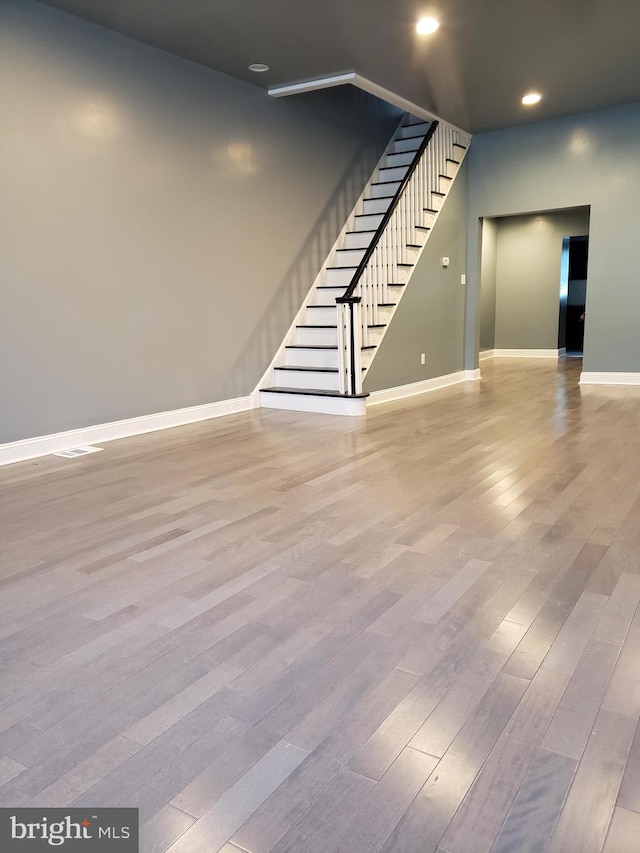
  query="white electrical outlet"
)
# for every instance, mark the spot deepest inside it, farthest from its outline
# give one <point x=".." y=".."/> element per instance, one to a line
<point x="463" y="279"/>
<point x="423" y="358"/>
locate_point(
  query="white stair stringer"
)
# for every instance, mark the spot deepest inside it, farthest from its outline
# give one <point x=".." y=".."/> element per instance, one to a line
<point x="305" y="372"/>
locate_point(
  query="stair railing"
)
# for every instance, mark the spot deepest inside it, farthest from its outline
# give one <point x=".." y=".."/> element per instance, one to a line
<point x="418" y="196"/>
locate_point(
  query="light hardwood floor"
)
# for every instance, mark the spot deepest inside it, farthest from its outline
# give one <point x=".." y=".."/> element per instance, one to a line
<point x="311" y="634"/>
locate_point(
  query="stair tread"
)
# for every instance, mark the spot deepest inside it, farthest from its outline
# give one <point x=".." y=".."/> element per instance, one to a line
<point x="451" y="160"/>
<point x="310" y="392"/>
<point x="312" y="326"/>
<point x="306" y="368"/>
<point x="311" y="346"/>
<point x="365" y="231"/>
<point x="423" y="227"/>
<point x="414" y="246"/>
<point x="459" y="145"/>
<point x="351" y="267"/>
<point x="415" y="136"/>
<point x="436" y="192"/>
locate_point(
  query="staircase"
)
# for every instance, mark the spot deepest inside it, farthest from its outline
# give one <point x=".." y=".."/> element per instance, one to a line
<point x="331" y="344"/>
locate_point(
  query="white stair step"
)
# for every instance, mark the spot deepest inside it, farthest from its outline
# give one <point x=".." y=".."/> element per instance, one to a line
<point x="385" y="312"/>
<point x="321" y="315"/>
<point x="399" y="145"/>
<point x="310" y="335"/>
<point x="349" y="257"/>
<point x="326" y="379"/>
<point x="318" y="356"/>
<point x="452" y="165"/>
<point x="393" y="173"/>
<point x="410" y="130"/>
<point x="383" y="188"/>
<point x="358" y="239"/>
<point x="375" y="205"/>
<point x="404" y="158"/>
<point x="367" y="222"/>
<point x="375" y="334"/>
<point x="327" y="403"/>
<point x="337" y="277"/>
<point x="327" y="295"/>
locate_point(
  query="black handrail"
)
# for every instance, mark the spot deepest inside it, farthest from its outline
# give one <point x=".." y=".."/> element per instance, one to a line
<point x="348" y="296"/>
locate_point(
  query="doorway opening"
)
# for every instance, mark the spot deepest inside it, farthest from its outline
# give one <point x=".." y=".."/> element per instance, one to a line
<point x="573" y="294"/>
<point x="533" y="283"/>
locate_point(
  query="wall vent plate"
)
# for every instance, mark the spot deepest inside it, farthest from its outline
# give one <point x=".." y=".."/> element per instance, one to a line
<point x="77" y="451"/>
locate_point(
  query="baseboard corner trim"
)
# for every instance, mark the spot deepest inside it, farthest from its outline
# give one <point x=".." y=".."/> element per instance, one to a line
<point x="44" y="445"/>
<point x="486" y="354"/>
<point x="413" y="389"/>
<point x="609" y="378"/>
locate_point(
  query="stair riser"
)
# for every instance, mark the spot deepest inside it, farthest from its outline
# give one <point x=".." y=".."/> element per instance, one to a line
<point x="367" y="357"/>
<point x="338" y="278"/>
<point x="306" y="379"/>
<point x="375" y="205"/>
<point x="402" y="145"/>
<point x="414" y="130"/>
<point x="384" y="315"/>
<point x="321" y="315"/>
<point x="396" y="173"/>
<point x="349" y="257"/>
<point x="328" y="297"/>
<point x="367" y="223"/>
<point x="358" y="241"/>
<point x="374" y="337"/>
<point x="400" y="159"/>
<point x="378" y="190"/>
<point x="311" y="357"/>
<point x="306" y="403"/>
<point x="317" y="337"/>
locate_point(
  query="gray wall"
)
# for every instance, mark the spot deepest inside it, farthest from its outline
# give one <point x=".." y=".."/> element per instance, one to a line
<point x="430" y="318"/>
<point x="159" y="222"/>
<point x="591" y="159"/>
<point x="488" y="284"/>
<point x="527" y="289"/>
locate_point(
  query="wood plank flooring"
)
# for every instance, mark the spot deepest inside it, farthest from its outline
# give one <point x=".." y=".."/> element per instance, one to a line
<point x="297" y="633"/>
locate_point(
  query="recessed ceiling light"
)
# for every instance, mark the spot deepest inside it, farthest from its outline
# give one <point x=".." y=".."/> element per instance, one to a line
<point x="426" y="26"/>
<point x="531" y="98"/>
<point x="258" y="67"/>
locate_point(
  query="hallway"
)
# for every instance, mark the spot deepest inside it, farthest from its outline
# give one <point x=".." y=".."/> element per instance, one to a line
<point x="274" y="631"/>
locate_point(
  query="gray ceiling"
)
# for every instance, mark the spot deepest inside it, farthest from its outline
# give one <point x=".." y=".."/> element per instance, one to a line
<point x="581" y="54"/>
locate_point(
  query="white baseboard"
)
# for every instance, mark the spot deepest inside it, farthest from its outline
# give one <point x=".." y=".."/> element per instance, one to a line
<point x="528" y="353"/>
<point x="400" y="392"/>
<point x="483" y="355"/>
<point x="319" y="404"/>
<point x="609" y="378"/>
<point x="30" y="448"/>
